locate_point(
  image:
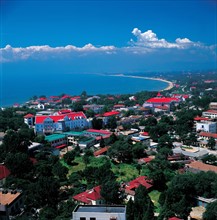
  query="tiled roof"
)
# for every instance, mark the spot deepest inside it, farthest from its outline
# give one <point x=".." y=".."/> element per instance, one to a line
<point x="142" y="180"/>
<point x="207" y="134"/>
<point x="98" y="131"/>
<point x="29" y="116"/>
<point x="107" y="114"/>
<point x="211" y="111"/>
<point x="87" y="196"/>
<point x="201" y="119"/>
<point x="4" y="172"/>
<point x="162" y="100"/>
<point x="39" y="119"/>
<point x="174" y="218"/>
<point x="100" y="151"/>
<point x="202" y="166"/>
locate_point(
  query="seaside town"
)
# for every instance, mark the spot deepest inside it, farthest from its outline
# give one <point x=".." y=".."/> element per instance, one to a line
<point x="143" y="156"/>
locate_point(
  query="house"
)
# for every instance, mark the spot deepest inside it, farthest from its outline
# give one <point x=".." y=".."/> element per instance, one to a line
<point x="210" y="113"/>
<point x="105" y="212"/>
<point x="107" y="115"/>
<point x="89" y="197"/>
<point x="174" y="218"/>
<point x="29" y="119"/>
<point x="206" y="126"/>
<point x="208" y="135"/>
<point x="213" y="105"/>
<point x="159" y="100"/>
<point x="197" y="166"/>
<point x="131" y="186"/>
<point x="93" y="107"/>
<point x="48" y="124"/>
<point x="101" y="151"/>
<point x="11" y="203"/>
<point x="201" y="201"/>
<point x="4" y="173"/>
<point x="57" y="141"/>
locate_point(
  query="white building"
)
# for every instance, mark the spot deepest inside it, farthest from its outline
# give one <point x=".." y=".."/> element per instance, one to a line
<point x="210" y="113"/>
<point x="207" y="126"/>
<point x="99" y="212"/>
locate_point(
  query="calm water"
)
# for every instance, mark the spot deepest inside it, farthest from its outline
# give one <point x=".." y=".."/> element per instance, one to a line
<point x="19" y="88"/>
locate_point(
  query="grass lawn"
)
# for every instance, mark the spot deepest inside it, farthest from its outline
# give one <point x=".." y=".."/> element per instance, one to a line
<point x="154" y="195"/>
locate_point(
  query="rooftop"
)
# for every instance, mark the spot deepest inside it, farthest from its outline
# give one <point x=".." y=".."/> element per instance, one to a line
<point x="101" y="209"/>
<point x="9" y="197"/>
<point x="54" y="137"/>
<point x="202" y="166"/>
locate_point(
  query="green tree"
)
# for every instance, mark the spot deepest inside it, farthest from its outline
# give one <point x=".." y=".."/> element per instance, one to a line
<point x="69" y="157"/>
<point x="60" y="171"/>
<point x="211" y="143"/>
<point x="211" y="211"/>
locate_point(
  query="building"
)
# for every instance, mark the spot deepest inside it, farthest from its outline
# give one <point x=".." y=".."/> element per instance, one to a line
<point x="89" y="197"/>
<point x="213" y="105"/>
<point x="94" y="107"/>
<point x="210" y="113"/>
<point x="131" y="186"/>
<point x="208" y="135"/>
<point x="61" y="122"/>
<point x="206" y="126"/>
<point x="197" y="166"/>
<point x="159" y="100"/>
<point x="11" y="202"/>
<point x="29" y="119"/>
<point x="4" y="173"/>
<point x="99" y="212"/>
<point x="57" y="141"/>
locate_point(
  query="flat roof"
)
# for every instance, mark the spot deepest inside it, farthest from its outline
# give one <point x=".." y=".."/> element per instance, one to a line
<point x="101" y="208"/>
<point x="8" y="198"/>
<point x="54" y="137"/>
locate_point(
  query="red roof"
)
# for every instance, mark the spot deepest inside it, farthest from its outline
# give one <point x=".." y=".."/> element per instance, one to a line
<point x="39" y="119"/>
<point x="145" y="133"/>
<point x="29" y="116"/>
<point x="99" y="131"/>
<point x="119" y="105"/>
<point x="146" y="159"/>
<point x="208" y="134"/>
<point x="42" y="98"/>
<point x="162" y="107"/>
<point x="60" y="146"/>
<point x="4" y="172"/>
<point x="141" y="180"/>
<point x="212" y="111"/>
<point x="87" y="196"/>
<point x="107" y="114"/>
<point x="101" y="151"/>
<point x="162" y="100"/>
<point x="65" y="97"/>
<point x="201" y="119"/>
<point x="64" y="111"/>
<point x="174" y="218"/>
<point x="159" y="94"/>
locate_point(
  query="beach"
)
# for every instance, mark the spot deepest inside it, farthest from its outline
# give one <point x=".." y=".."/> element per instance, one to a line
<point x="170" y="84"/>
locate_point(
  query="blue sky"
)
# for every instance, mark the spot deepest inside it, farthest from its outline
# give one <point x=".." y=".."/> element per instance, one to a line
<point x="109" y="36"/>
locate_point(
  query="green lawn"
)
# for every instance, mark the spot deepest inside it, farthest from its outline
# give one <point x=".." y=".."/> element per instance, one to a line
<point x="154" y="195"/>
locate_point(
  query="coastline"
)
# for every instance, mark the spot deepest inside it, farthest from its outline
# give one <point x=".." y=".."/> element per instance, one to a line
<point x="170" y="84"/>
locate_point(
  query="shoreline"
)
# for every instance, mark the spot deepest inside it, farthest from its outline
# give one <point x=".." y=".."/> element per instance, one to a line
<point x="170" y="84"/>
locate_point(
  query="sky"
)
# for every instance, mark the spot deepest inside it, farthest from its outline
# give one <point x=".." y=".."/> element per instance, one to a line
<point x="107" y="36"/>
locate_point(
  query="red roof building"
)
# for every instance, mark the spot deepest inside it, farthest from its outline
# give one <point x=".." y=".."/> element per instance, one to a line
<point x="29" y="116"/>
<point x="208" y="135"/>
<point x="134" y="184"/>
<point x="89" y="197"/>
<point x="101" y="151"/>
<point x="174" y="218"/>
<point x="4" y="172"/>
<point x="112" y="113"/>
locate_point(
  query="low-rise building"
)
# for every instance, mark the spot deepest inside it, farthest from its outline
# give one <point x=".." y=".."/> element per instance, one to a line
<point x="89" y="197"/>
<point x="197" y="166"/>
<point x="210" y="113"/>
<point x="206" y="126"/>
<point x="11" y="202"/>
<point x="99" y="212"/>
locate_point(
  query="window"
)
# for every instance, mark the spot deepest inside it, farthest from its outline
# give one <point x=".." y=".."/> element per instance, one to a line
<point x="92" y="218"/>
<point x="82" y="218"/>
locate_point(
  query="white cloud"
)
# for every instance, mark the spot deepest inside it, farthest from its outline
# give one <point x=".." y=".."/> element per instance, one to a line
<point x="9" y="53"/>
<point x="149" y="39"/>
<point x="145" y="43"/>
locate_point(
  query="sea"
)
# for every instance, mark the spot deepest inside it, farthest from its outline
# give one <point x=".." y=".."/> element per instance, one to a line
<point x="19" y="88"/>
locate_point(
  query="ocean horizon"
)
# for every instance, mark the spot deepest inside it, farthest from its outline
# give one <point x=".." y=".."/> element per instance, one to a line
<point x="20" y="88"/>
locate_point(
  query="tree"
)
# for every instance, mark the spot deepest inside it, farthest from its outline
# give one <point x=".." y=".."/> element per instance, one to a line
<point x="211" y="143"/>
<point x="97" y="123"/>
<point x="130" y="210"/>
<point x="110" y="191"/>
<point x="211" y="211"/>
<point x="19" y="164"/>
<point x="112" y="122"/>
<point x="144" y="207"/>
<point x="138" y="150"/>
<point x="60" y="171"/>
<point x="69" y="157"/>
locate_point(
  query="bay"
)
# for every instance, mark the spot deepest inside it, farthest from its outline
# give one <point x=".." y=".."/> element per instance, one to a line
<point x="20" y="88"/>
